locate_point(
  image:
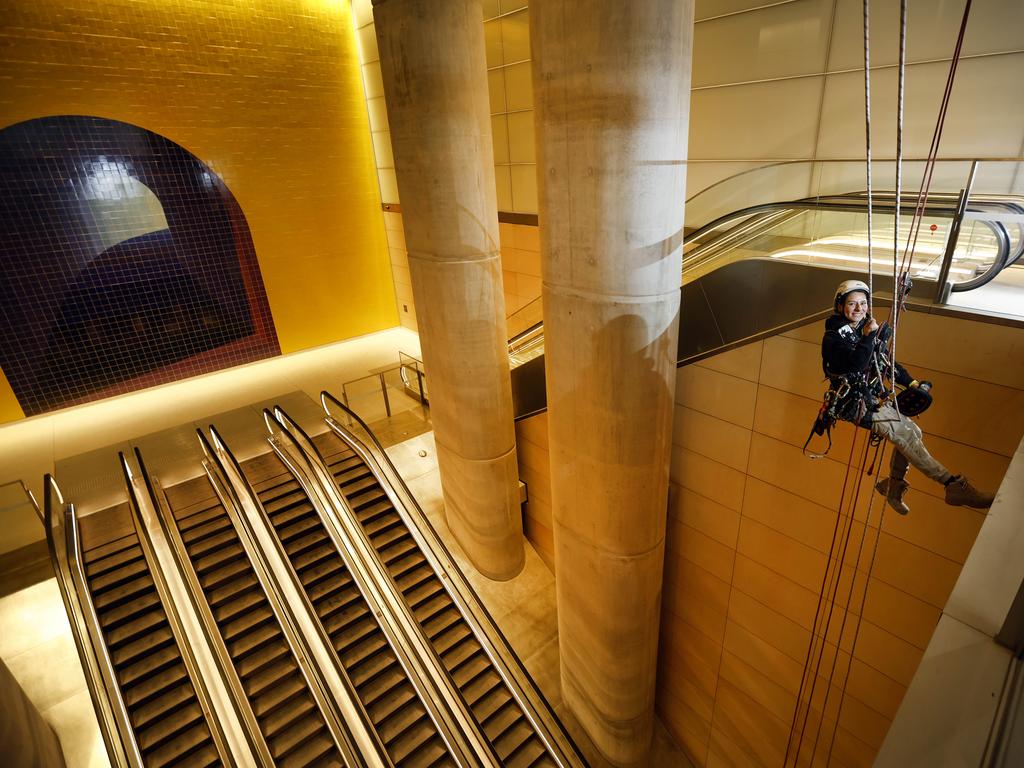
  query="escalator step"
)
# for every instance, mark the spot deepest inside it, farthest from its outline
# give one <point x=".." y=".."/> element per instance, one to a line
<point x="146" y="656"/>
<point x="423" y="593"/>
<point x="298" y="527"/>
<point x="414" y="577"/>
<point x="332" y="597"/>
<point x="458" y="632"/>
<point x="109" y="549"/>
<point x="306" y="542"/>
<point x="492" y="705"/>
<point x="222" y="595"/>
<point x="118" y="615"/>
<point x="253" y="619"/>
<point x="325" y="577"/>
<point x="166" y="729"/>
<point x="213" y="542"/>
<point x="126" y="592"/>
<point x="239" y="603"/>
<point x="122" y="557"/>
<point x="220" y="557"/>
<point x="512" y="741"/>
<point x="343" y="617"/>
<point x="396" y="550"/>
<point x="136" y="627"/>
<point x="360" y="639"/>
<point x="162" y="705"/>
<point x="407" y="748"/>
<point x="383" y="710"/>
<point x="352" y="479"/>
<point x="468" y="665"/>
<point x="374" y="667"/>
<point x="262" y="660"/>
<point x="501" y="720"/>
<point x="369" y="512"/>
<point x="382" y="524"/>
<point x="440" y="621"/>
<point x="275" y="504"/>
<point x="256" y="683"/>
<point x="407" y="717"/>
<point x="191" y="747"/>
<point x="218" y="577"/>
<point x="116" y="578"/>
<point x="296" y="734"/>
<point x="382" y="686"/>
<point x="324" y="551"/>
<point x="297" y="511"/>
<point x="531" y="752"/>
<point x="486" y="693"/>
<point x="283" y="703"/>
<point x="253" y="641"/>
<point x="318" y="750"/>
<point x="212" y="523"/>
<point x="146" y="689"/>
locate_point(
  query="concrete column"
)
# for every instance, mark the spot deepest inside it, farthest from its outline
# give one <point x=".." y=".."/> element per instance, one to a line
<point x="611" y="92"/>
<point x="435" y="86"/>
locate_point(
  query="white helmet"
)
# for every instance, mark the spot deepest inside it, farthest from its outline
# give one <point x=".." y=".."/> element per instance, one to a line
<point x="846" y="288"/>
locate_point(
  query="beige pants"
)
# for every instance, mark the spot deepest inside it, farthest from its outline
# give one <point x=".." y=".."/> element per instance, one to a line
<point x="908" y="445"/>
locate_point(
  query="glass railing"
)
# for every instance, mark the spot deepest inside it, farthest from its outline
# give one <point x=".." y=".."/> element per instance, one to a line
<point x="815" y="213"/>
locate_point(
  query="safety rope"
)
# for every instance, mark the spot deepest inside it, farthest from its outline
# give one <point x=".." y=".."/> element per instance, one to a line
<point x="867" y="143"/>
<point x="825" y="580"/>
<point x="833" y="593"/>
<point x="900" y="86"/>
<point x="832" y="576"/>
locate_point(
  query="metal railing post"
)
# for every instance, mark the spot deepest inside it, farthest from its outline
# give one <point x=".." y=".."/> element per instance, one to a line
<point x="384" y="391"/>
<point x="942" y="287"/>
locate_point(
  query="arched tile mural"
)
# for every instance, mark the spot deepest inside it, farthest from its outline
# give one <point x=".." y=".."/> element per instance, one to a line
<point x="126" y="262"/>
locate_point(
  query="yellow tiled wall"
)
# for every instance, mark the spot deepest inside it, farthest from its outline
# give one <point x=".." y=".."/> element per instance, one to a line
<point x="267" y="94"/>
<point x="750" y="527"/>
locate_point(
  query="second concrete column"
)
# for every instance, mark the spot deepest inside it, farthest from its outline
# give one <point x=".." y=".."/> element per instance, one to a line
<point x="435" y="86"/>
<point x="612" y="88"/>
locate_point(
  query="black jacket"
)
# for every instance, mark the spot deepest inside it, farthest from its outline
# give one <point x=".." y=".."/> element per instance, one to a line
<point x="847" y="357"/>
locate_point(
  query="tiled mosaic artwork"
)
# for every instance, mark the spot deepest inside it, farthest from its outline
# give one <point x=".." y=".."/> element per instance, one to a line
<point x="126" y="263"/>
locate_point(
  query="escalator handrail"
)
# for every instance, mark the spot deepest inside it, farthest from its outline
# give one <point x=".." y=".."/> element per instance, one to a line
<point x="477" y="747"/>
<point x="464" y="595"/>
<point x="100" y="676"/>
<point x="182" y="639"/>
<point x="351" y="704"/>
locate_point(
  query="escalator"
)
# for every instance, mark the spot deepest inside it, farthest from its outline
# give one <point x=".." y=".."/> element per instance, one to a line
<point x="288" y="610"/>
<point x="766" y="268"/>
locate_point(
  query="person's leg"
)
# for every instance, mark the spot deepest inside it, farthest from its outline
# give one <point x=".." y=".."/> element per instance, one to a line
<point x="908" y="443"/>
<point x="906" y="439"/>
<point x="895" y="485"/>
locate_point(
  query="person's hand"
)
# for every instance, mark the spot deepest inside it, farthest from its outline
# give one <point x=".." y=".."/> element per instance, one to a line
<point x="869" y="327"/>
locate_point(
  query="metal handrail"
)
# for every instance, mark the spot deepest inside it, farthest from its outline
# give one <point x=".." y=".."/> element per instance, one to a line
<point x="521" y="684"/>
<point x="100" y="676"/>
<point x="255" y="739"/>
<point x="231" y="742"/>
<point x="455" y="723"/>
<point x="365" y="747"/>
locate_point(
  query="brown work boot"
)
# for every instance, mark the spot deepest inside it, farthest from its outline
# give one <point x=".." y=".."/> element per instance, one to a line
<point x="960" y="493"/>
<point x="893" y="491"/>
